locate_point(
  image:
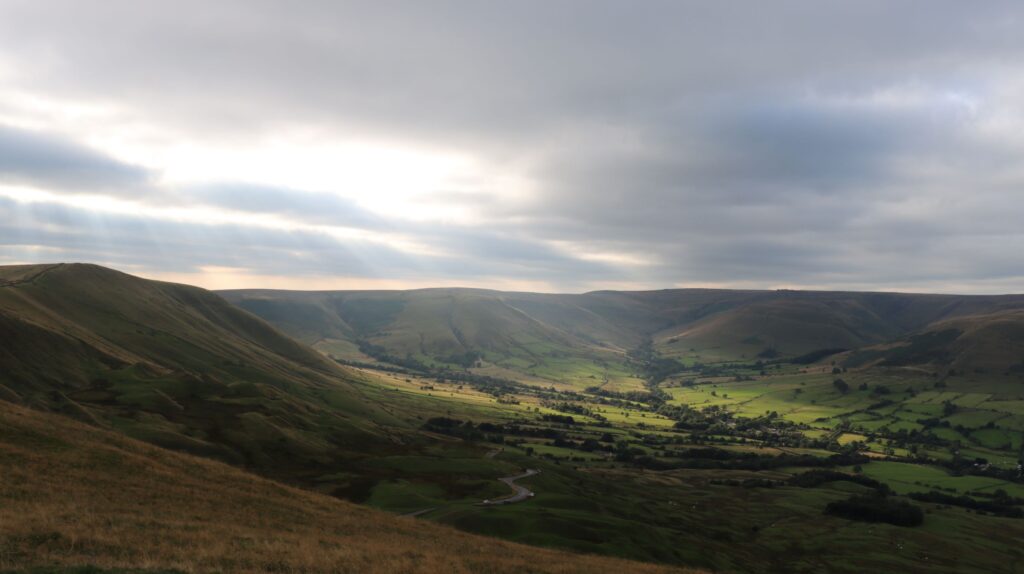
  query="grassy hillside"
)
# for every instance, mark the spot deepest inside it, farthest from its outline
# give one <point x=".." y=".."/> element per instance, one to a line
<point x="177" y="366"/>
<point x="553" y="338"/>
<point x="534" y="335"/>
<point x="991" y="343"/>
<point x="73" y="495"/>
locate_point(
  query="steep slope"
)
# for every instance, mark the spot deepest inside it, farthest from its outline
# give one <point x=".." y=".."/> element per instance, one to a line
<point x="74" y="495"/>
<point x="177" y="366"/>
<point x="991" y="343"/>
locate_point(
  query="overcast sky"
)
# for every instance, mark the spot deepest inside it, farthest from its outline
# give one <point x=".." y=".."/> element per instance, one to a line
<point x="540" y="145"/>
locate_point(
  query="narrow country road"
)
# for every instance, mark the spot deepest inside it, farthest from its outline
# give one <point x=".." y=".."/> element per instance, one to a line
<point x="520" y="493"/>
<point x="416" y="513"/>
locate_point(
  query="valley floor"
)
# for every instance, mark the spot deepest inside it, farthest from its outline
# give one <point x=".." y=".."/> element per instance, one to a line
<point x="715" y="475"/>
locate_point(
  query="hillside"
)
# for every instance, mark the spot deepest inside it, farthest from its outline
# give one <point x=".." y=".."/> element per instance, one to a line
<point x="177" y="366"/>
<point x="991" y="343"/>
<point x="549" y="335"/>
<point x="74" y="495"/>
<point x="518" y="331"/>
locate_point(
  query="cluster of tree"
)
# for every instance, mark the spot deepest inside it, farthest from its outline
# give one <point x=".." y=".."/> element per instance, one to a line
<point x="515" y="429"/>
<point x="746" y="482"/>
<point x="1003" y="506"/>
<point x="652" y="367"/>
<point x="819" y="476"/>
<point x="572" y="408"/>
<point x="877" y="508"/>
<point x="560" y="419"/>
<point x="653" y="397"/>
<point x="880" y="404"/>
<point x="483" y="383"/>
<point x="979" y="467"/>
<point x="933" y="422"/>
<point x="409" y="365"/>
<point x="377" y="366"/>
<point x="769" y="429"/>
<point x="466" y="429"/>
<point x="504" y="433"/>
<point x="465" y="360"/>
<point x="714" y="458"/>
<point x="382" y="354"/>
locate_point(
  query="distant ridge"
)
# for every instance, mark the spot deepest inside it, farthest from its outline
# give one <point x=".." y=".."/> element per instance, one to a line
<point x="523" y="328"/>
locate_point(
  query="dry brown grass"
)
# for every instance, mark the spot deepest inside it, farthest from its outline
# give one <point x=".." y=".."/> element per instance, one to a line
<point x="71" y="494"/>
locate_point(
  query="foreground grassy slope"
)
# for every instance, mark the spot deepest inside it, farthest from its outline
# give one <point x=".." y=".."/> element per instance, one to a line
<point x="177" y="366"/>
<point x="72" y="495"/>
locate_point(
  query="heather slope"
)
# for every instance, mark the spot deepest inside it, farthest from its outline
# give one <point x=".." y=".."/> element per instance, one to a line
<point x="72" y="495"/>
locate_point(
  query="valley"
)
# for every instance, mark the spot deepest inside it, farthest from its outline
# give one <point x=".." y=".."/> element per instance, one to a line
<point x="717" y="430"/>
<point x="703" y="435"/>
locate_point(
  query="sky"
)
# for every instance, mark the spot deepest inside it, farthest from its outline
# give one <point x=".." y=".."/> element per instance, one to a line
<point x="544" y="145"/>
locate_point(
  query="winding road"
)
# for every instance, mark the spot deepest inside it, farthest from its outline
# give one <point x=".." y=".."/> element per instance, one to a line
<point x="520" y="493"/>
<point x="416" y="513"/>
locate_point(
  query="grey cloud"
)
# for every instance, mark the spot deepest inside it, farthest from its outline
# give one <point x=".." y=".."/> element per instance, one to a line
<point x="462" y="71"/>
<point x="309" y="207"/>
<point x="28" y="157"/>
<point x="749" y="143"/>
<point x="167" y="246"/>
<point x="49" y="232"/>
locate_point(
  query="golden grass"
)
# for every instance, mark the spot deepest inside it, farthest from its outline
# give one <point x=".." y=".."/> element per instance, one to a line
<point x="71" y="494"/>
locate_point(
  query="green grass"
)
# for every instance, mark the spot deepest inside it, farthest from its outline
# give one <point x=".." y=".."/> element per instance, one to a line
<point x="904" y="478"/>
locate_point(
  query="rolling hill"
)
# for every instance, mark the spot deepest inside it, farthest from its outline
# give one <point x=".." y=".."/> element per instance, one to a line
<point x="498" y="332"/>
<point x="75" y="498"/>
<point x="525" y="331"/>
<point x="179" y="367"/>
<point x="991" y="343"/>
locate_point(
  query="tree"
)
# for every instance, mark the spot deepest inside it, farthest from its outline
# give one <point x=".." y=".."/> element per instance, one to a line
<point x="877" y="509"/>
<point x="841" y="386"/>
